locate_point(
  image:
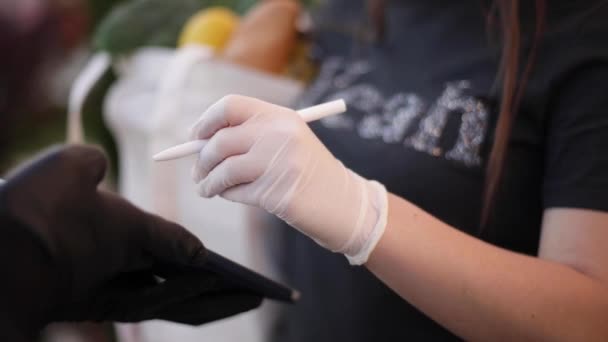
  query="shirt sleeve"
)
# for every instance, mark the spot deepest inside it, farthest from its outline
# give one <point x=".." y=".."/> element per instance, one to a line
<point x="576" y="145"/>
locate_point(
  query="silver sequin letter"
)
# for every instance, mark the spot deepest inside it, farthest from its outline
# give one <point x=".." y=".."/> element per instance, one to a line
<point x="472" y="129"/>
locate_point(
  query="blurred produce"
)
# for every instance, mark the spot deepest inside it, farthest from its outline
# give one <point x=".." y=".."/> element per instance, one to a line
<point x="266" y="36"/>
<point x="265" y="39"/>
<point x="211" y="27"/>
<point x="139" y="23"/>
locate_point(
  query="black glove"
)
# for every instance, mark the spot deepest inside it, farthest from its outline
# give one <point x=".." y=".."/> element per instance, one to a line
<point x="71" y="252"/>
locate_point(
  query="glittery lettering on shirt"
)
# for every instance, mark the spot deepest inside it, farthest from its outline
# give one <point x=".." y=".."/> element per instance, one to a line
<point x="431" y="127"/>
<point x="392" y="118"/>
<point x="471" y="135"/>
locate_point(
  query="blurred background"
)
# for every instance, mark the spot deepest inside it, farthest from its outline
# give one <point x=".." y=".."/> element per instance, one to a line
<point x="131" y="75"/>
<point x="46" y="43"/>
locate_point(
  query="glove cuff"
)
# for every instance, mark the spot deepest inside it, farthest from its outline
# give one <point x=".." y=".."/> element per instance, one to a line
<point x="377" y="204"/>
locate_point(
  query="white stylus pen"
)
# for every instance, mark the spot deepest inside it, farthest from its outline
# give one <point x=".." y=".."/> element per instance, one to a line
<point x="308" y="114"/>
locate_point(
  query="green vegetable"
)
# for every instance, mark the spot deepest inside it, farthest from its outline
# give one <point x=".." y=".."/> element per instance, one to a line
<point x="142" y="22"/>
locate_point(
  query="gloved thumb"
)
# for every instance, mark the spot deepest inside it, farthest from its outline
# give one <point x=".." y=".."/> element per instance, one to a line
<point x="84" y="165"/>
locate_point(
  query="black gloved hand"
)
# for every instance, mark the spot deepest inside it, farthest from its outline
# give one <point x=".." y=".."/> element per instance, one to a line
<point x="70" y="252"/>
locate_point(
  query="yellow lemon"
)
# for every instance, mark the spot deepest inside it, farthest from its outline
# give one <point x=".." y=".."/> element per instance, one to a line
<point x="212" y="27"/>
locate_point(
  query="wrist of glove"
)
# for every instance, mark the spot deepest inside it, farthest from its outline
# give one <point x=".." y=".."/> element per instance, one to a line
<point x="70" y="252"/>
<point x="265" y="155"/>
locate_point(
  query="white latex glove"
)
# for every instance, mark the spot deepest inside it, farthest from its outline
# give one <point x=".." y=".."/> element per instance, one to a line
<point x="266" y="156"/>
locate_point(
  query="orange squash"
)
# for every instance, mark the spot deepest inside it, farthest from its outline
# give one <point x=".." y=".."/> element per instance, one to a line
<point x="265" y="36"/>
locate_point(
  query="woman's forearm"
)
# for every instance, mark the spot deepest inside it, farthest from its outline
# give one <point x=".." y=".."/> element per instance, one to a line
<point x="480" y="291"/>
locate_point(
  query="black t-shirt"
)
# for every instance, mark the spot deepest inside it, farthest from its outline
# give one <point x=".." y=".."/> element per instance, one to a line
<point x="422" y="111"/>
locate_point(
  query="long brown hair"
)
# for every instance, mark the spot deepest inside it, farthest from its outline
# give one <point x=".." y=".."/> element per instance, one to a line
<point x="513" y="82"/>
<point x="511" y="77"/>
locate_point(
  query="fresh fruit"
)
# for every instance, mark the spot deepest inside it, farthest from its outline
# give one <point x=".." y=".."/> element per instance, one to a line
<point x="266" y="36"/>
<point x="212" y="27"/>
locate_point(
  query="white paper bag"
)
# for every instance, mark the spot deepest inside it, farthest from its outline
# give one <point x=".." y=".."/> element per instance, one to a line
<point x="159" y="94"/>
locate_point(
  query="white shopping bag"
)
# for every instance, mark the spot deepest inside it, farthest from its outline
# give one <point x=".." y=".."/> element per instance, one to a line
<point x="159" y="94"/>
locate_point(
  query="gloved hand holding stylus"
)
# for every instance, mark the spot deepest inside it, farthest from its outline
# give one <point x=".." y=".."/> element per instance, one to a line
<point x="265" y="155"/>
